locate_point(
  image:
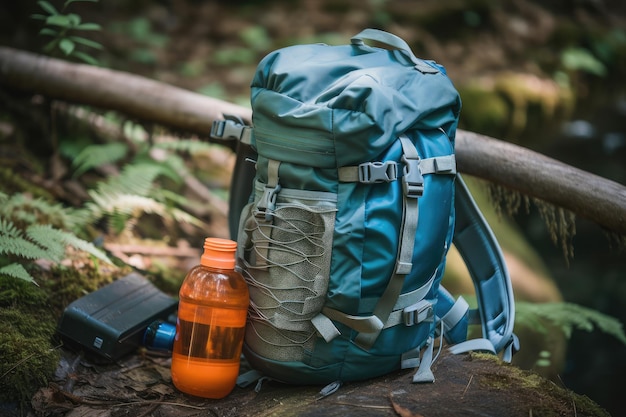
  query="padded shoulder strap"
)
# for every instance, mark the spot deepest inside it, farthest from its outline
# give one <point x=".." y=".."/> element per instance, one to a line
<point x="480" y="250"/>
<point x="232" y="128"/>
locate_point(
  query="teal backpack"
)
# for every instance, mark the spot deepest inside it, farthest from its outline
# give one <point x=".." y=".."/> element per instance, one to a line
<point x="344" y="202"/>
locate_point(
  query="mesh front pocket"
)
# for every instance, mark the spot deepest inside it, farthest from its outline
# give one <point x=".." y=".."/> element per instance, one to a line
<point x="286" y="259"/>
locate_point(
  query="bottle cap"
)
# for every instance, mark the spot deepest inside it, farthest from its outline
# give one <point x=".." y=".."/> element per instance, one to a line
<point x="159" y="336"/>
<point x="219" y="253"/>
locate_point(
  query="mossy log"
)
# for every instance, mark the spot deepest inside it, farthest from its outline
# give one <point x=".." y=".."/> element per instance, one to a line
<point x="465" y="385"/>
<point x="598" y="199"/>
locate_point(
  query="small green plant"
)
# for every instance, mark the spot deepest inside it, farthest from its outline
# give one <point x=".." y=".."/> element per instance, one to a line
<point x="138" y="189"/>
<point x="546" y="329"/>
<point x="26" y="240"/>
<point x="62" y="26"/>
<point x="567" y="317"/>
<point x="581" y="59"/>
<point x="123" y="199"/>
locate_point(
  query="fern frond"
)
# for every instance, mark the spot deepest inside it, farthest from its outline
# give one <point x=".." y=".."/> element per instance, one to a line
<point x="57" y="240"/>
<point x="568" y="316"/>
<point x="182" y="216"/>
<point x="97" y="155"/>
<point x="135" y="179"/>
<point x="169" y="164"/>
<point x="23" y="210"/>
<point x="8" y="229"/>
<point x="13" y="242"/>
<point x="176" y="165"/>
<point x="129" y="204"/>
<point x="122" y="207"/>
<point x="16" y="270"/>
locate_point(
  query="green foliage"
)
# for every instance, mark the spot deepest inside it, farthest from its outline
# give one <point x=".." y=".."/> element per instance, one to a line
<point x="186" y="146"/>
<point x="18" y="248"/>
<point x="256" y="41"/>
<point x="124" y="198"/>
<point x="544" y="359"/>
<point x="140" y="30"/>
<point x="580" y="59"/>
<point x="256" y="38"/>
<point x="16" y="270"/>
<point x="215" y="90"/>
<point x="28" y="359"/>
<point x="567" y="317"/>
<point x="31" y="229"/>
<point x="149" y="180"/>
<point x="143" y="39"/>
<point x="23" y="210"/>
<point x="62" y="27"/>
<point x="234" y="56"/>
<point x="97" y="155"/>
<point x="483" y="111"/>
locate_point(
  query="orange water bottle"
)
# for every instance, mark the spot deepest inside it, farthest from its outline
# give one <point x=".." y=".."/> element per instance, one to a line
<point x="212" y="309"/>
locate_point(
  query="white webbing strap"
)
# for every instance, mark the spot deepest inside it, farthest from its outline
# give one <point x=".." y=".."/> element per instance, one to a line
<point x="406" y="311"/>
<point x="264" y="211"/>
<point x="325" y="327"/>
<point x="366" y="324"/>
<point x="413" y="187"/>
<point x="479" y="344"/>
<point x="411" y="358"/>
<point x="424" y="373"/>
<point x="374" y="172"/>
<point x="455" y="314"/>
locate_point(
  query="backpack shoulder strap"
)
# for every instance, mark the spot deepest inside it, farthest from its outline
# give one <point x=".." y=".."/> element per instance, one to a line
<point x="233" y="129"/>
<point x="485" y="262"/>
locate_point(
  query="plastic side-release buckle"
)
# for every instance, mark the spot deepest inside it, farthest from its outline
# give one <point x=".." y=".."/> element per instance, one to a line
<point x="419" y="312"/>
<point x="232" y="127"/>
<point x="412" y="180"/>
<point x="376" y="172"/>
<point x="267" y="203"/>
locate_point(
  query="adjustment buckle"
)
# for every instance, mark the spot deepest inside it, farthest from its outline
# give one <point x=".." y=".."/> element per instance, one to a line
<point x="232" y="127"/>
<point x="412" y="179"/>
<point x="267" y="204"/>
<point x="420" y="312"/>
<point x="376" y="172"/>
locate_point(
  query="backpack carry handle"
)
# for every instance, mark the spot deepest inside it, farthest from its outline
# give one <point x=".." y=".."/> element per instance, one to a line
<point x="385" y="38"/>
<point x="393" y="41"/>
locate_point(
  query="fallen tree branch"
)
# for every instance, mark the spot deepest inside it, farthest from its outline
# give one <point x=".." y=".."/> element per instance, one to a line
<point x="592" y="197"/>
<point x="131" y="94"/>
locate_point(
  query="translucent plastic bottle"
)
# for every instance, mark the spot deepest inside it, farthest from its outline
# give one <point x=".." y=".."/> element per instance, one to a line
<point x="211" y="322"/>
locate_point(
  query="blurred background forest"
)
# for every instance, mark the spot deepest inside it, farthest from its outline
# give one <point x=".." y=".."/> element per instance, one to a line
<point x="545" y="75"/>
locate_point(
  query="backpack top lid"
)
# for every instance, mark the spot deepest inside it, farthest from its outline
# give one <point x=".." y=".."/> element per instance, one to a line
<point x="334" y="106"/>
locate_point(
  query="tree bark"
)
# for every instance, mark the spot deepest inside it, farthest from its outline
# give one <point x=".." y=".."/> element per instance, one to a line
<point x="595" y="198"/>
<point x="465" y="385"/>
<point x="590" y="196"/>
<point x="130" y="94"/>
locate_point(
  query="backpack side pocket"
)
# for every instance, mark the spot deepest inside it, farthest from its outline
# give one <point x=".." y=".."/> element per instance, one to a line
<point x="286" y="261"/>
